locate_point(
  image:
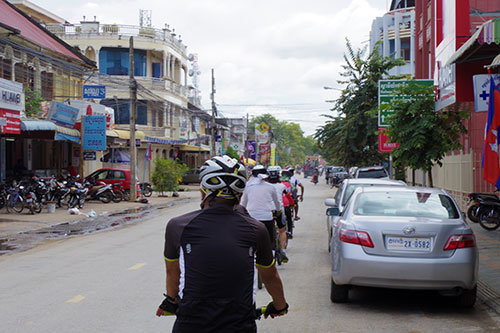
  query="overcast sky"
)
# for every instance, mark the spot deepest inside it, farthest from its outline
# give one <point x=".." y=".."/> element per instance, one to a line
<point x="269" y="56"/>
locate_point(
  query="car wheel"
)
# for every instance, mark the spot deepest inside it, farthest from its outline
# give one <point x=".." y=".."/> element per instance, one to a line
<point x="339" y="293"/>
<point x="468" y="298"/>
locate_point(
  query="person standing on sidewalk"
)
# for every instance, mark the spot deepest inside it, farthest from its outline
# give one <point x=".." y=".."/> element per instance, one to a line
<point x="210" y="257"/>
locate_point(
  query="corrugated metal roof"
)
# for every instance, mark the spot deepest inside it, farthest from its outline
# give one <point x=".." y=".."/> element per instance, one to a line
<point x="31" y="31"/>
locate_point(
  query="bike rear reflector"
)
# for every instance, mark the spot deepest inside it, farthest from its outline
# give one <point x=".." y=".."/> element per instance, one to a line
<point x="355" y="237"/>
<point x="460" y="242"/>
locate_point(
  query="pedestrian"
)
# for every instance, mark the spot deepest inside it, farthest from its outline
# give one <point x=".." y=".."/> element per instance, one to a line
<point x="211" y="255"/>
<point x="327" y="175"/>
<point x="71" y="170"/>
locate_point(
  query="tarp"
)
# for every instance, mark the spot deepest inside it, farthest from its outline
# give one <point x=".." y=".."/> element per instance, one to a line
<point x="116" y="156"/>
<point x="66" y="137"/>
<point x="37" y="125"/>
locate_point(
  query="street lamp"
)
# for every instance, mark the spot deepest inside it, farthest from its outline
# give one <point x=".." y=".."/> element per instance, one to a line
<point x="331" y="88"/>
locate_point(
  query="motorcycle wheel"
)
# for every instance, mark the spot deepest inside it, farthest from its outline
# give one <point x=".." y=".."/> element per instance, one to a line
<point x="147" y="191"/>
<point x="472" y="213"/>
<point x="490" y="219"/>
<point x="118" y="196"/>
<point x="126" y="195"/>
<point x="106" y="197"/>
<point x="17" y="206"/>
<point x="3" y="201"/>
<point x="72" y="202"/>
<point x="81" y="202"/>
<point x="37" y="208"/>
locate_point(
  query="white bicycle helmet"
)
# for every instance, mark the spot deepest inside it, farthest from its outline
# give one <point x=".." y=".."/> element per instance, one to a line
<point x="222" y="176"/>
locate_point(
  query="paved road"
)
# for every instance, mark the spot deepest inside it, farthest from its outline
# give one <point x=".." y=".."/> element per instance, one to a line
<point x="113" y="281"/>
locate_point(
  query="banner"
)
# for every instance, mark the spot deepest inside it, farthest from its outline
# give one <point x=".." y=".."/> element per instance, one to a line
<point x="63" y="115"/>
<point x="11" y="95"/>
<point x="265" y="153"/>
<point x="252" y="149"/>
<point x="10" y="121"/>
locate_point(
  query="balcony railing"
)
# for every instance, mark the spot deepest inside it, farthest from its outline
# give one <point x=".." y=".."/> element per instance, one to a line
<point x="95" y="29"/>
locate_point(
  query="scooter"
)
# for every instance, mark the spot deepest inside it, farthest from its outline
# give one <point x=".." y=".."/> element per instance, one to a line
<point x="77" y="195"/>
<point x="99" y="191"/>
<point x="489" y="213"/>
<point x="474" y="202"/>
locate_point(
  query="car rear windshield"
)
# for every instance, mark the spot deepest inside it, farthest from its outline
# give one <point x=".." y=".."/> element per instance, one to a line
<point x="413" y="204"/>
<point x="372" y="173"/>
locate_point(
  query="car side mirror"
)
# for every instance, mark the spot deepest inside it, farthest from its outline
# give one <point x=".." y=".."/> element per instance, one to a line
<point x="464" y="216"/>
<point x="333" y="211"/>
<point x="330" y="202"/>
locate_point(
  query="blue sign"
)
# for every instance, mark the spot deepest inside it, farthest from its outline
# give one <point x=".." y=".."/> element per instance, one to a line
<point x="97" y="92"/>
<point x="63" y="115"/>
<point x="94" y="132"/>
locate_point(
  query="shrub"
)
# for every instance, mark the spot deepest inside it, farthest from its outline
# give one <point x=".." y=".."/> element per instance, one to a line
<point x="167" y="175"/>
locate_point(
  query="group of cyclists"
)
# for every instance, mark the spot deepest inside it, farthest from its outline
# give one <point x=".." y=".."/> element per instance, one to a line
<point x="213" y="255"/>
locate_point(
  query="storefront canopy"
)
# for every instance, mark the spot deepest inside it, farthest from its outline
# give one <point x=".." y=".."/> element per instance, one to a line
<point x="122" y="134"/>
<point x="193" y="148"/>
<point x="61" y="133"/>
<point x="495" y="62"/>
<point x="483" y="45"/>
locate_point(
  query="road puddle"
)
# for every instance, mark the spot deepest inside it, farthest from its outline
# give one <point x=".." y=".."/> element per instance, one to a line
<point x="30" y="239"/>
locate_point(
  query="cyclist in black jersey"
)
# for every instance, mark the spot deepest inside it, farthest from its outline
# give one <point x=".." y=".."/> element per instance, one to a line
<point x="211" y="255"/>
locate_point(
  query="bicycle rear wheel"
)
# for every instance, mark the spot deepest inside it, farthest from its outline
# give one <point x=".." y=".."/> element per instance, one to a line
<point x="15" y="204"/>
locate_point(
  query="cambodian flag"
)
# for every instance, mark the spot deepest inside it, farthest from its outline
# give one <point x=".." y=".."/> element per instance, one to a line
<point x="490" y="150"/>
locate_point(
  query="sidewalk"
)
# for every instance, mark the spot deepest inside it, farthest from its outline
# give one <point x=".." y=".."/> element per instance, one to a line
<point x="13" y="223"/>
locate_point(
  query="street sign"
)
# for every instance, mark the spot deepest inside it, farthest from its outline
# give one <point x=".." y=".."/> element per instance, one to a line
<point x="386" y="94"/>
<point x="384" y="146"/>
<point x="89" y="156"/>
<point x="96" y="92"/>
<point x="262" y="127"/>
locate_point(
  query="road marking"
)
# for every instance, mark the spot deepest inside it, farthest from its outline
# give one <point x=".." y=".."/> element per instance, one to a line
<point x="76" y="299"/>
<point x="137" y="266"/>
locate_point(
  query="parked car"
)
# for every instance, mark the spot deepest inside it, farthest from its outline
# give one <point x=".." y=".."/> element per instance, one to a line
<point x="114" y="176"/>
<point x="343" y="195"/>
<point x="372" y="172"/>
<point x="404" y="238"/>
<point x="192" y="176"/>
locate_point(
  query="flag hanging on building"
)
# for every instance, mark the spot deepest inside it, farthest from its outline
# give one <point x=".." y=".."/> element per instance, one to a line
<point x="149" y="153"/>
<point x="491" y="172"/>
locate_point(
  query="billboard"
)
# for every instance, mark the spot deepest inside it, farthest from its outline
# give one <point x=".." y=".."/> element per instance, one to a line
<point x="94" y="132"/>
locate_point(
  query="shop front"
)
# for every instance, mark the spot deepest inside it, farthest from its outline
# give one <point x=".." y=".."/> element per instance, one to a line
<point x="11" y="105"/>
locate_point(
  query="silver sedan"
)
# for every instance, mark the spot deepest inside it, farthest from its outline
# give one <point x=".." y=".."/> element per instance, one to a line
<point x="405" y="238"/>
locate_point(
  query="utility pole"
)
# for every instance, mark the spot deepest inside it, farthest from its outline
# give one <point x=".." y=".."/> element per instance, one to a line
<point x="246" y="144"/>
<point x="133" y="108"/>
<point x="214" y="111"/>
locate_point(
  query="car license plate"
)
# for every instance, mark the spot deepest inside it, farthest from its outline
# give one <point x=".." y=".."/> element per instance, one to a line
<point x="408" y="243"/>
<point x="29" y="200"/>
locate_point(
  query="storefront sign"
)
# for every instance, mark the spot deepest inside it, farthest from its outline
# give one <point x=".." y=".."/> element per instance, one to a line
<point x="63" y="115"/>
<point x="262" y="133"/>
<point x="265" y="153"/>
<point x="11" y="95"/>
<point x="96" y="92"/>
<point x="94" y="133"/>
<point x="482" y="90"/>
<point x="10" y="121"/>
<point x="89" y="155"/>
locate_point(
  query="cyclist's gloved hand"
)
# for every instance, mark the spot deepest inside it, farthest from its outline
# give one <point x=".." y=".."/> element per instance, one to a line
<point x="273" y="312"/>
<point x="168" y="307"/>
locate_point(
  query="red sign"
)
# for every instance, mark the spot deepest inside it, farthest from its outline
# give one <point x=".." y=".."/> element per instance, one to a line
<point x="10" y="121"/>
<point x="384" y="146"/>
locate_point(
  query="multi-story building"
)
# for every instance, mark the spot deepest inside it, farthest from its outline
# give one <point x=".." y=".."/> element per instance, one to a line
<point x="161" y="72"/>
<point x="396" y="33"/>
<point x="41" y="64"/>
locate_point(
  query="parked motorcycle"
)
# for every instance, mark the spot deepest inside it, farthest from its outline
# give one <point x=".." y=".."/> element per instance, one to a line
<point x="474" y="202"/>
<point x="489" y="213"/>
<point x="99" y="191"/>
<point x="77" y="195"/>
<point x="146" y="189"/>
<point x="30" y="199"/>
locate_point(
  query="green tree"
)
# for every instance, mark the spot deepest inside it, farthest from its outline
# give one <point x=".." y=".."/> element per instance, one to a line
<point x="349" y="137"/>
<point x="425" y="136"/>
<point x="232" y="153"/>
<point x="291" y="144"/>
<point x="32" y="102"/>
<point x="167" y="175"/>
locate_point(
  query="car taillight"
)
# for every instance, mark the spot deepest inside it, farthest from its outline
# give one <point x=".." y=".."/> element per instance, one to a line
<point x="28" y="195"/>
<point x="460" y="242"/>
<point x="355" y="237"/>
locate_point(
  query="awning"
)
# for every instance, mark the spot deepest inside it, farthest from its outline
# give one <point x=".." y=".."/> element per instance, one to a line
<point x="122" y="134"/>
<point x="192" y="148"/>
<point x="111" y="134"/>
<point x="495" y="62"/>
<point x="67" y="134"/>
<point x="483" y="44"/>
<point x="37" y="125"/>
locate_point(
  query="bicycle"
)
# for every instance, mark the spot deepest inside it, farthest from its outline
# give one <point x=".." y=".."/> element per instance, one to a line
<point x="15" y="201"/>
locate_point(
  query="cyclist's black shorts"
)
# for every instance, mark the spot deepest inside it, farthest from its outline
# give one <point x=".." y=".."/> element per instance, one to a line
<point x="270" y="230"/>
<point x="280" y="221"/>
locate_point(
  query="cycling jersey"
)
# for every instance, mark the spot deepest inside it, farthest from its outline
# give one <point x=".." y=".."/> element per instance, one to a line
<point x="217" y="249"/>
<point x="260" y="199"/>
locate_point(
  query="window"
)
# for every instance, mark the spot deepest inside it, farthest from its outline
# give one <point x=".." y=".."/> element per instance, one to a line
<point x="47" y="85"/>
<point x="6" y="69"/>
<point x="25" y="75"/>
<point x="405" y="49"/>
<point x="142" y="114"/>
<point x="156" y="69"/>
<point x="115" y="61"/>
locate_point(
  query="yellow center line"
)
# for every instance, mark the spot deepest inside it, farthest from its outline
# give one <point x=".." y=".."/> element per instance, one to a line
<point x="76" y="299"/>
<point x="137" y="266"/>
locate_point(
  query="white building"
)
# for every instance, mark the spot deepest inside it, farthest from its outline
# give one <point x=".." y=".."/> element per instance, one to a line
<point x="396" y="33"/>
